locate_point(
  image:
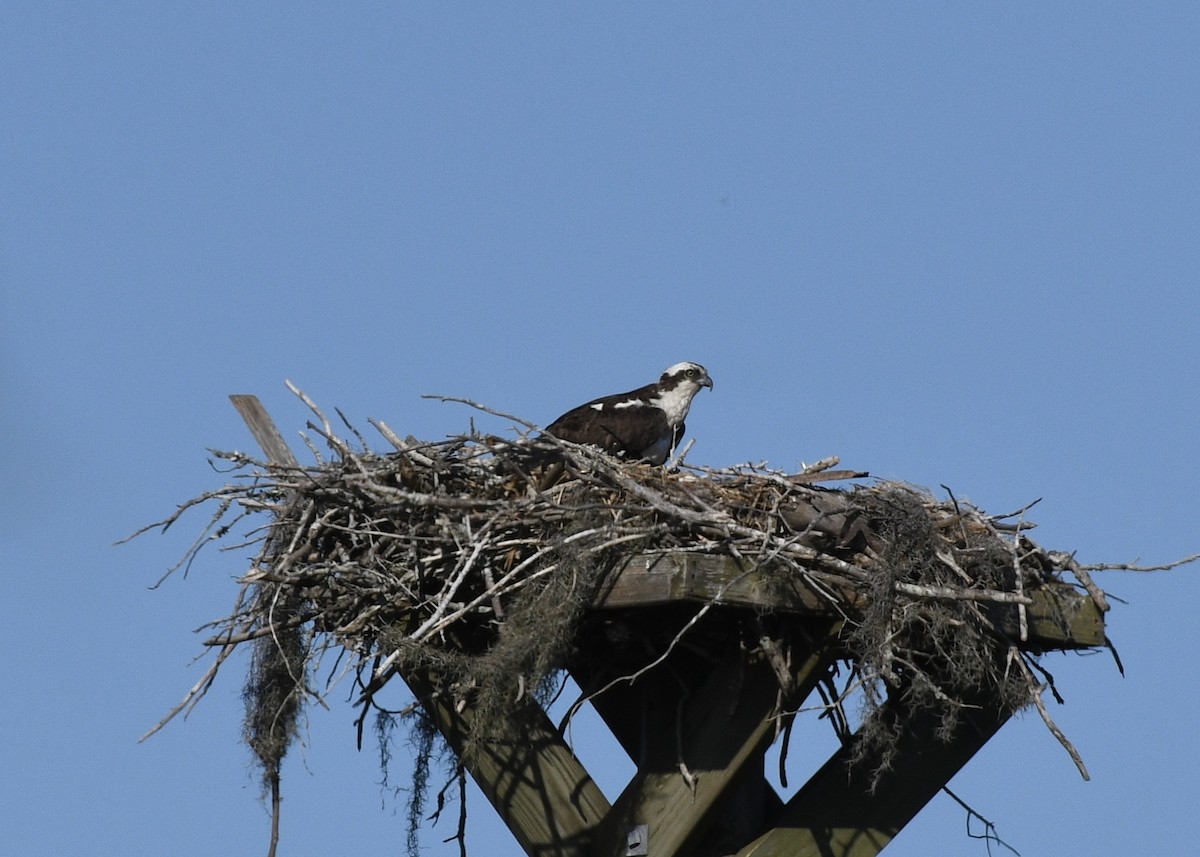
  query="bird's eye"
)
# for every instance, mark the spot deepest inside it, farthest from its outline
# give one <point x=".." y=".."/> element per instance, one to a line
<point x="691" y="373"/>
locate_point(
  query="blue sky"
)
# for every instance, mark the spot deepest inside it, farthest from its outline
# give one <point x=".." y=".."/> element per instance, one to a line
<point x="949" y="244"/>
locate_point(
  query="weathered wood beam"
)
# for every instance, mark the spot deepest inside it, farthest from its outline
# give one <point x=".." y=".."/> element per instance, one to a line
<point x="652" y="580"/>
<point x="264" y="430"/>
<point x="1059" y="618"/>
<point x="837" y="814"/>
<point x="536" y="784"/>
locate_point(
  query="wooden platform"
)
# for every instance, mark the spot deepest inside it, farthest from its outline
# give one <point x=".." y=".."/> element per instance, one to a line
<point x="1061" y="617"/>
<point x="698" y="725"/>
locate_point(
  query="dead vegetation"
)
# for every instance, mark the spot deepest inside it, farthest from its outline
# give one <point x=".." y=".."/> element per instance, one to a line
<point x="450" y="558"/>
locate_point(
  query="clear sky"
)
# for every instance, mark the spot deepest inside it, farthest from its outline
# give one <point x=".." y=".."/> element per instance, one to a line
<point x="951" y="243"/>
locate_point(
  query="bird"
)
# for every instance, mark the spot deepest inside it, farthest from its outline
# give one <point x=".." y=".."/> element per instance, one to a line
<point x="645" y="424"/>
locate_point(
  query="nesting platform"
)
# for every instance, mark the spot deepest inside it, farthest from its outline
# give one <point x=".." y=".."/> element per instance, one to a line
<point x="718" y="605"/>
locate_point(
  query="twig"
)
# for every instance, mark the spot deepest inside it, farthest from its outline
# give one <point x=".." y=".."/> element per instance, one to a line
<point x="195" y="694"/>
<point x="1067" y="561"/>
<point x="484" y="408"/>
<point x="1019" y="513"/>
<point x="1019" y="583"/>
<point x="1120" y="566"/>
<point x="990" y="834"/>
<point x="677" y="460"/>
<point x="389" y="435"/>
<point x="1036" y="695"/>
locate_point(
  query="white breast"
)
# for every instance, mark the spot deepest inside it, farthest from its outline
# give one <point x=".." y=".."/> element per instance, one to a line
<point x="675" y="403"/>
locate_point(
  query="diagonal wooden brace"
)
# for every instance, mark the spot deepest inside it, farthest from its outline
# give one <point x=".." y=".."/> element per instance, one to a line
<point x="528" y="773"/>
<point x="837" y="814"/>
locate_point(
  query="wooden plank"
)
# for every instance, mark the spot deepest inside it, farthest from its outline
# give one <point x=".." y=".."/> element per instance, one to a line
<point x="836" y="814"/>
<point x="536" y="784"/>
<point x="1059" y="618"/>
<point x="714" y="741"/>
<point x="657" y="579"/>
<point x="263" y="428"/>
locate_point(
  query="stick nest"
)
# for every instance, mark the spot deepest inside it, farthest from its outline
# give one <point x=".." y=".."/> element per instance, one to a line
<point x="477" y="558"/>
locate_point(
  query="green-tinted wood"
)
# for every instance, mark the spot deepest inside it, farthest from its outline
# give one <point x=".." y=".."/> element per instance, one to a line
<point x="836" y="814"/>
<point x="1060" y="617"/>
<point x="657" y="579"/>
<point x="529" y="774"/>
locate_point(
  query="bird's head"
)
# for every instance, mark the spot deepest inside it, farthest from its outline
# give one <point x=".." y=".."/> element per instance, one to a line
<point x="677" y="386"/>
<point x="685" y="377"/>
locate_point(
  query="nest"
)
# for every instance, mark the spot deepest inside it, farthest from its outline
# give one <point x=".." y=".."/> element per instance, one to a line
<point x="477" y="559"/>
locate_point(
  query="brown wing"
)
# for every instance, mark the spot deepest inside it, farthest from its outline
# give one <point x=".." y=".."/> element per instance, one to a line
<point x="629" y="431"/>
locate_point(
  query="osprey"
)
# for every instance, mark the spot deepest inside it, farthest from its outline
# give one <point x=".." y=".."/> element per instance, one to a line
<point x="644" y="424"/>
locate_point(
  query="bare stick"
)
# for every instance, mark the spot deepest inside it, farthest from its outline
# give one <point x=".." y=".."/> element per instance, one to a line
<point x="1019" y="583"/>
<point x="1067" y="561"/>
<point x="389" y="435"/>
<point x="1128" y="567"/>
<point x="195" y="694"/>
<point x="1040" y="703"/>
<point x="484" y="408"/>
